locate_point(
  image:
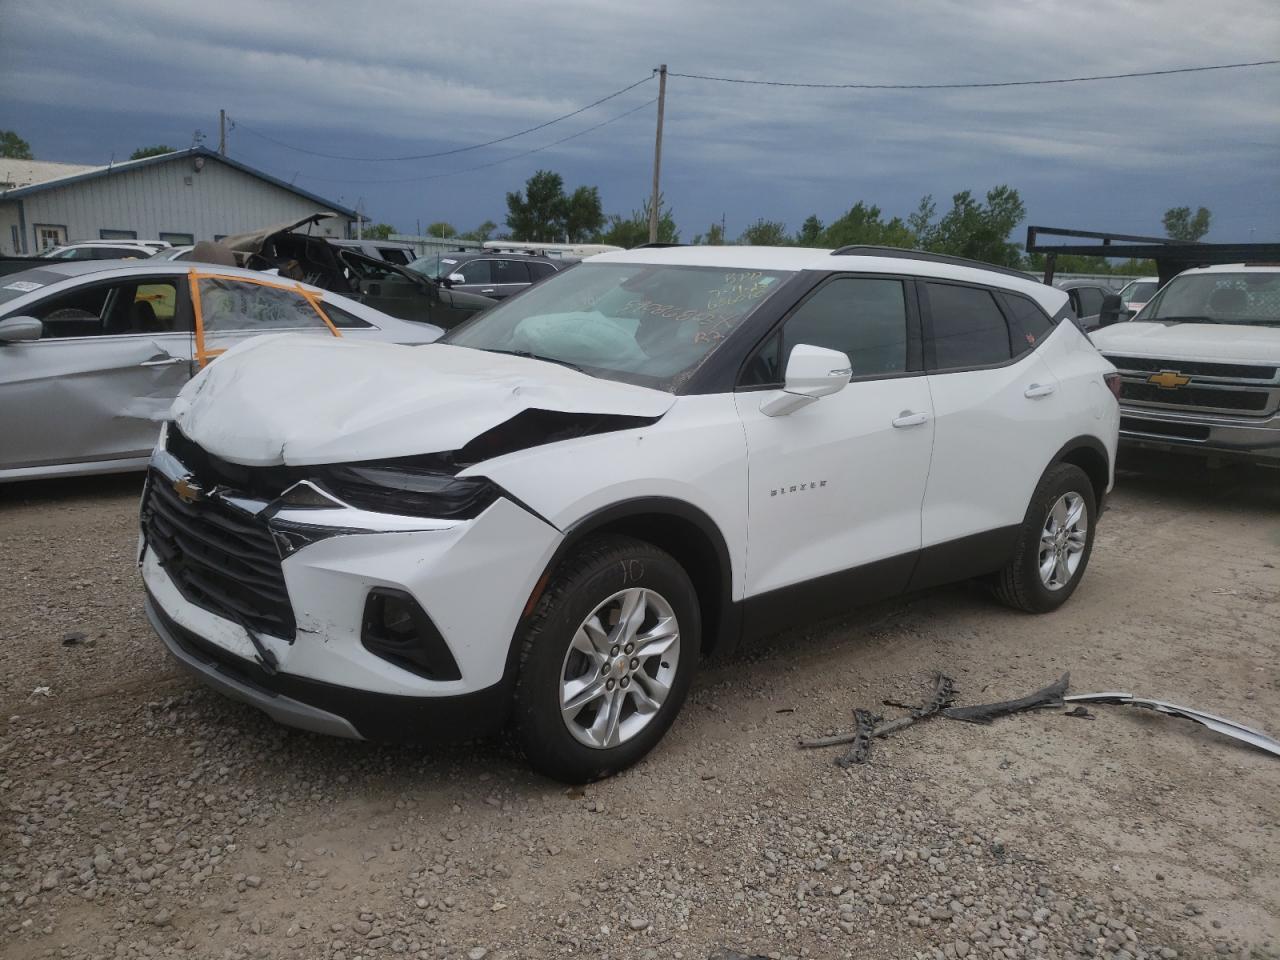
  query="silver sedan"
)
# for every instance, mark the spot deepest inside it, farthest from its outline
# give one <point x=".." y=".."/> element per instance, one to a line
<point x="92" y="353"/>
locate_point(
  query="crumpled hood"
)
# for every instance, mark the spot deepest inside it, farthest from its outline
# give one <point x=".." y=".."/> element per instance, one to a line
<point x="1233" y="342"/>
<point x="299" y="400"/>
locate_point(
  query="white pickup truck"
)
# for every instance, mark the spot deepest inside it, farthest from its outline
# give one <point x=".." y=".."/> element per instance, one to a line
<point x="1200" y="364"/>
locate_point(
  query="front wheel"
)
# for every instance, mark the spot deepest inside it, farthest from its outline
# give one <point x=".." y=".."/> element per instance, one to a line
<point x="606" y="659"/>
<point x="1054" y="542"/>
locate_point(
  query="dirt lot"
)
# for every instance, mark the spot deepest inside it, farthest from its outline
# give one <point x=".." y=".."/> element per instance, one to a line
<point x="145" y="816"/>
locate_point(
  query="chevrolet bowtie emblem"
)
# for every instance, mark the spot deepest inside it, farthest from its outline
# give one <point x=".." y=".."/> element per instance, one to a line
<point x="1168" y="379"/>
<point x="188" y="490"/>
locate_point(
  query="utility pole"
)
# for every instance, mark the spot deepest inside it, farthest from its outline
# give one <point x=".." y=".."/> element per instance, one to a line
<point x="222" y="133"/>
<point x="657" y="156"/>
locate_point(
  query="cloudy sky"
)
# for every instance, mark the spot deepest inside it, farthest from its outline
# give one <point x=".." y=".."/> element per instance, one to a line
<point x="86" y="80"/>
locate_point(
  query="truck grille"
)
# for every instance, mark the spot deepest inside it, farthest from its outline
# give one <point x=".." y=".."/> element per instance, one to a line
<point x="1214" y="388"/>
<point x="220" y="558"/>
<point x="1194" y="368"/>
<point x="1251" y="401"/>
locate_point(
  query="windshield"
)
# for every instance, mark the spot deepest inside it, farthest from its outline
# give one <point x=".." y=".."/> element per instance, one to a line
<point x="1139" y="291"/>
<point x="650" y="324"/>
<point x="1217" y="298"/>
<point x="17" y="285"/>
<point x="435" y="266"/>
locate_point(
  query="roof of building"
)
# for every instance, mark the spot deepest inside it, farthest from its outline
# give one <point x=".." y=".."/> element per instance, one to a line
<point x="24" y="173"/>
<point x="73" y="174"/>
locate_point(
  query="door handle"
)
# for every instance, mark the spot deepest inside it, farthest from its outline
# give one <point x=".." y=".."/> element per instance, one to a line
<point x="1038" y="390"/>
<point x="490" y="290"/>
<point x="909" y="419"/>
<point x="163" y="361"/>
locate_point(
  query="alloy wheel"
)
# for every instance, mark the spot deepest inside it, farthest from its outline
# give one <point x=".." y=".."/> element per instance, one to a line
<point x="1062" y="540"/>
<point x="619" y="668"/>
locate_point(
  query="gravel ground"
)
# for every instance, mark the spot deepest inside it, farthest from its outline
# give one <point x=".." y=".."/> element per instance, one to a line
<point x="147" y="817"/>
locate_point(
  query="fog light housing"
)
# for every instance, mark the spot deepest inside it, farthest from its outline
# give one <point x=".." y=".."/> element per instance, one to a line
<point x="397" y="629"/>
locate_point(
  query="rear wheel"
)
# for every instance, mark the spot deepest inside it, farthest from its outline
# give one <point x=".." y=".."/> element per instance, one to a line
<point x="606" y="659"/>
<point x="1054" y="543"/>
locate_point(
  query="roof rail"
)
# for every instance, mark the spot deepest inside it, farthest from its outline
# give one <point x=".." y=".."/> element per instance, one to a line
<point x="868" y="250"/>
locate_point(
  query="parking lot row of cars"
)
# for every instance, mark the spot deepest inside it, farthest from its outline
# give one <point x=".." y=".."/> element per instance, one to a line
<point x="550" y="513"/>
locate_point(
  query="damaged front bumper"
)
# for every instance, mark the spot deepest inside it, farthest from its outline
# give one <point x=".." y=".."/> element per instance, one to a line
<point x="304" y="650"/>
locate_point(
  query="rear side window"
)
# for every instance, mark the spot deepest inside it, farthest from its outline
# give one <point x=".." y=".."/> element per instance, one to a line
<point x="510" y="271"/>
<point x="395" y="255"/>
<point x="1090" y="301"/>
<point x="539" y="270"/>
<point x="968" y="328"/>
<point x="342" y="319"/>
<point x="475" y="271"/>
<point x="1028" y="324"/>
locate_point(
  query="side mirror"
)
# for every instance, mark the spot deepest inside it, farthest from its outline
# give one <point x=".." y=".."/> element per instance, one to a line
<point x="20" y="329"/>
<point x="1111" y="310"/>
<point x="812" y="372"/>
<point x="453" y="278"/>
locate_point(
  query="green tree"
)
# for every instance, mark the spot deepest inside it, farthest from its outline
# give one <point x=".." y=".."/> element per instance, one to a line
<point x="441" y="228"/>
<point x="378" y="231"/>
<point x="538" y="213"/>
<point x="1180" y="224"/>
<point x="864" y="224"/>
<point x="765" y="233"/>
<point x="481" y="233"/>
<point x="13" y="147"/>
<point x="143" y="152"/>
<point x="714" y="237"/>
<point x="810" y="234"/>
<point x="629" y="232"/>
<point x="583" y="214"/>
<point x="980" y="231"/>
<point x="920" y="221"/>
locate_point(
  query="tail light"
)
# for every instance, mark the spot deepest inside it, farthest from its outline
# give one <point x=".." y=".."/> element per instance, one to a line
<point x="1113" y="382"/>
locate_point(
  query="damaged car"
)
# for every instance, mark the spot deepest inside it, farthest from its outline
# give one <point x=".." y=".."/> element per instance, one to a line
<point x="291" y="250"/>
<point x="93" y="352"/>
<point x="551" y="515"/>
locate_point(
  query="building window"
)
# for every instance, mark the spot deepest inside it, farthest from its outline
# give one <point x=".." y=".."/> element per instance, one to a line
<point x="49" y="235"/>
<point x="178" y="239"/>
<point x="13" y="233"/>
<point x="117" y="234"/>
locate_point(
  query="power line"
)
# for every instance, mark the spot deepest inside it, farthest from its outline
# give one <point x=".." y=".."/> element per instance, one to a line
<point x="492" y="163"/>
<point x="974" y="86"/>
<point x="441" y="153"/>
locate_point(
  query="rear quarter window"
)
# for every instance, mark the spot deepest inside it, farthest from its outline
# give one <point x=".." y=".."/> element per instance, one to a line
<point x="1028" y="323"/>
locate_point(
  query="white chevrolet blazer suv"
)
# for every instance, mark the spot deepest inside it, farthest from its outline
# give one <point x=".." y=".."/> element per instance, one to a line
<point x="547" y="518"/>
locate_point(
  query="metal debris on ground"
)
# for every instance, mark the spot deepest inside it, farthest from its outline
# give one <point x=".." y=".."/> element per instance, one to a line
<point x="1050" y="696"/>
<point x="864" y="723"/>
<point x="1228" y="728"/>
<point x="944" y="693"/>
<point x="867" y="727"/>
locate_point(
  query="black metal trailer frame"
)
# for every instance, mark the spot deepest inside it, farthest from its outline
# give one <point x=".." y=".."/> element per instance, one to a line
<point x="1171" y="256"/>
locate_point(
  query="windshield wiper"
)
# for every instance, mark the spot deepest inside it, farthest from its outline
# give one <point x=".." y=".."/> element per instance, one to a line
<point x="530" y="355"/>
<point x="1184" y="320"/>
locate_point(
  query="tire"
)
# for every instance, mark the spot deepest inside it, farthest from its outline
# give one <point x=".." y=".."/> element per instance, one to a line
<point x="1021" y="584"/>
<point x="561" y="658"/>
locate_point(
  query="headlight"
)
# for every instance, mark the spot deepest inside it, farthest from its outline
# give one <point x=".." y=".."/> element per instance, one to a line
<point x="400" y="487"/>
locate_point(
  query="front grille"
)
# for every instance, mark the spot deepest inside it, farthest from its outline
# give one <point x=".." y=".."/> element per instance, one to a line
<point x="1250" y="401"/>
<point x="1164" y="428"/>
<point x="1195" y="368"/>
<point x="220" y="558"/>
